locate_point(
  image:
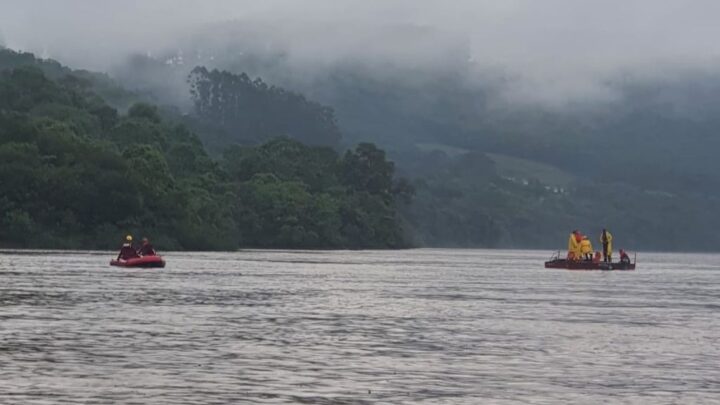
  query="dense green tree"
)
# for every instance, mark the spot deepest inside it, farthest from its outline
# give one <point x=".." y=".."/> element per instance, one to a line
<point x="317" y="167"/>
<point x="293" y="195"/>
<point x="250" y="110"/>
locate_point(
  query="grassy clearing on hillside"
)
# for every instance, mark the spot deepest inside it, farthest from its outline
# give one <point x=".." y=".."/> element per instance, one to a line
<point x="523" y="169"/>
<point x="451" y="151"/>
<point x="512" y="167"/>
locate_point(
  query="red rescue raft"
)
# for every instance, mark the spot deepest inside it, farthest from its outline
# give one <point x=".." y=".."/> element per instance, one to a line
<point x="556" y="262"/>
<point x="142" y="262"/>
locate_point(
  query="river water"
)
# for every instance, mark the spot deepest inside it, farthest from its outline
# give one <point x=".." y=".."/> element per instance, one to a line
<point x="415" y="326"/>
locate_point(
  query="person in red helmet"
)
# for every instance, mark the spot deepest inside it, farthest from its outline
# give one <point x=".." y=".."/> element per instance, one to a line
<point x="146" y="249"/>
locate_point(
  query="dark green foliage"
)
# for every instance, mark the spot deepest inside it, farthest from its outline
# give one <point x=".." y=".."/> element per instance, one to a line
<point x="366" y="170"/>
<point x="251" y="111"/>
<point x="76" y="174"/>
<point x="292" y="195"/>
<point x="316" y="167"/>
<point x="97" y="85"/>
<point x="464" y="202"/>
<point x="144" y="111"/>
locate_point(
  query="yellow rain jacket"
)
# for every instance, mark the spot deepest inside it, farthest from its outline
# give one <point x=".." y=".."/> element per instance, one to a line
<point x="586" y="246"/>
<point x="573" y="246"/>
<point x="609" y="242"/>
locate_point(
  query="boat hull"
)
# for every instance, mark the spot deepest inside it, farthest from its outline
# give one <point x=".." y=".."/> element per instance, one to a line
<point x="587" y="265"/>
<point x="140" y="262"/>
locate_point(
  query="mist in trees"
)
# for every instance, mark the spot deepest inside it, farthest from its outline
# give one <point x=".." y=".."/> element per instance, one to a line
<point x="247" y="110"/>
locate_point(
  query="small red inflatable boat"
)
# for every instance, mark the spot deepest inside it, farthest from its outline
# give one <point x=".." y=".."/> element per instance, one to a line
<point x="142" y="262"/>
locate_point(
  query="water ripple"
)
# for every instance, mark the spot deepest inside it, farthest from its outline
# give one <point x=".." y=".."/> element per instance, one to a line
<point x="422" y="326"/>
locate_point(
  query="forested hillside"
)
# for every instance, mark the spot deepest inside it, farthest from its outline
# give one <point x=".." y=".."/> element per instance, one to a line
<point x="76" y="173"/>
<point x="485" y="173"/>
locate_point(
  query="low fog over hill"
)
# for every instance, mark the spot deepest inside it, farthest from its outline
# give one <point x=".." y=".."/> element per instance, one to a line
<point x="562" y="47"/>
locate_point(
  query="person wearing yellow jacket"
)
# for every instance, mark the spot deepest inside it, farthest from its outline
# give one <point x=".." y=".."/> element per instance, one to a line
<point x="574" y="246"/>
<point x="606" y="240"/>
<point x="586" y="248"/>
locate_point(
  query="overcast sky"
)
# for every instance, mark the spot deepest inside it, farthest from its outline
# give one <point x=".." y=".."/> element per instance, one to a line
<point x="568" y="45"/>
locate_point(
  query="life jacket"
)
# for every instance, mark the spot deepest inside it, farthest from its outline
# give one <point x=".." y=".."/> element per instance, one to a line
<point x="586" y="246"/>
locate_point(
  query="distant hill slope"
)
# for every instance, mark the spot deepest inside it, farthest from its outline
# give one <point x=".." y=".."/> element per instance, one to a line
<point x="672" y="119"/>
<point x="519" y="169"/>
<point x="111" y="91"/>
<point x="511" y="168"/>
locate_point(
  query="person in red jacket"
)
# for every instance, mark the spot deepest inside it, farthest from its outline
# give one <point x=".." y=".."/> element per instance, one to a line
<point x="624" y="258"/>
<point x="146" y="249"/>
<point x="127" y="251"/>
